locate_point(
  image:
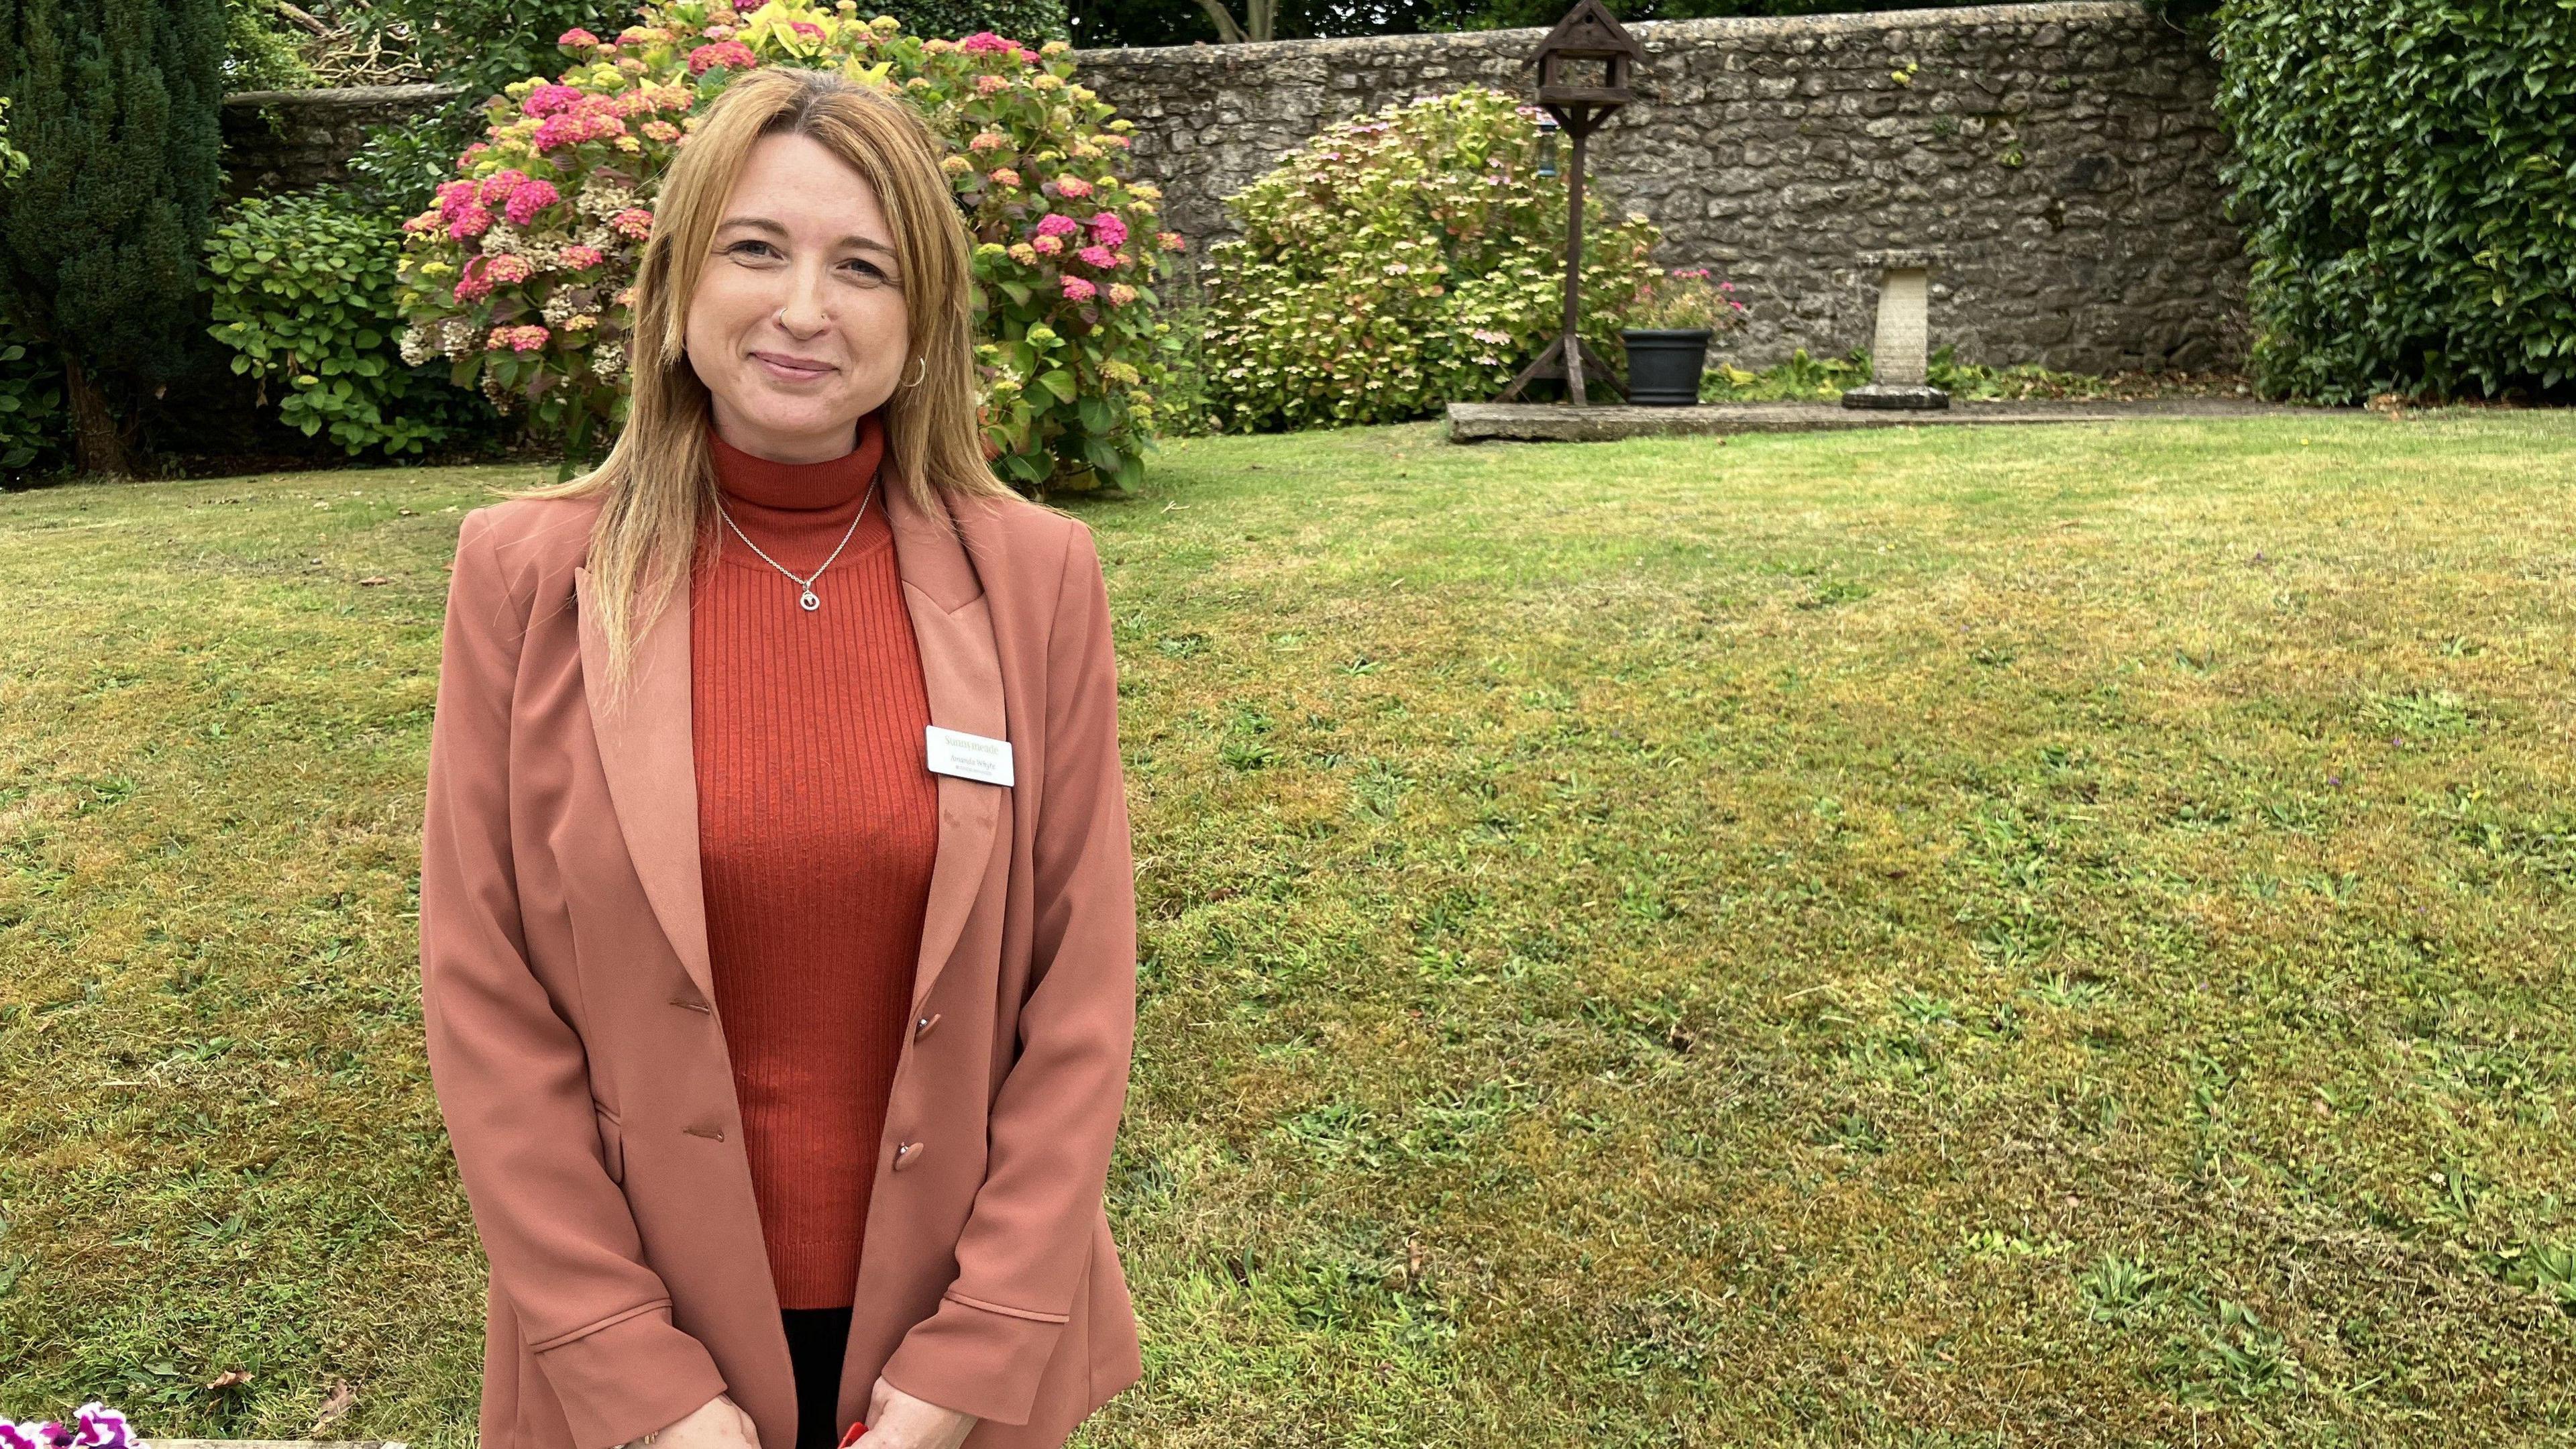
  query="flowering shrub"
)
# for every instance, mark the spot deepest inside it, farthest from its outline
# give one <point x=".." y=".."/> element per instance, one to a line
<point x="302" y="289"/>
<point x="1687" y="300"/>
<point x="1403" y="260"/>
<point x="94" y="1426"/>
<point x="520" y="273"/>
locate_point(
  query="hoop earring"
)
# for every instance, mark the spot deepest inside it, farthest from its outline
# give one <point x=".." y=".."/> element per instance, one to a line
<point x="920" y="372"/>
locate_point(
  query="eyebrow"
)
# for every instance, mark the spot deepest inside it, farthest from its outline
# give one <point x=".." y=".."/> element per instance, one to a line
<point x="762" y="223"/>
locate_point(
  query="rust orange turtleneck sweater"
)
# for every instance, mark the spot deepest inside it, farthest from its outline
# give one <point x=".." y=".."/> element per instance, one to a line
<point x="817" y="822"/>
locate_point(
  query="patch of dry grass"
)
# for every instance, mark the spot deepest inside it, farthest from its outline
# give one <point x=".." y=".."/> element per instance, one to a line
<point x="1971" y="936"/>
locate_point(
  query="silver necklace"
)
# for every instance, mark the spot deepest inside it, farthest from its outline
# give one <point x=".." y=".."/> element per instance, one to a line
<point x="807" y="599"/>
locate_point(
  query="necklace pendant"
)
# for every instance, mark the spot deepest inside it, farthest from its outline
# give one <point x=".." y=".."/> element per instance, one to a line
<point x="810" y="602"/>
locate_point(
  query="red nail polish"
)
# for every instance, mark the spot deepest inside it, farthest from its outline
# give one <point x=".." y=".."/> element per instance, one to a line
<point x="852" y="1436"/>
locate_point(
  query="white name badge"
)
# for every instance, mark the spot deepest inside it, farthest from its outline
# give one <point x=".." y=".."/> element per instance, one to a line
<point x="973" y="757"/>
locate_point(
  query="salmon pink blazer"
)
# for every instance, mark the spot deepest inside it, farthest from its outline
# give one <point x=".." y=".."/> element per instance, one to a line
<point x="571" y="1026"/>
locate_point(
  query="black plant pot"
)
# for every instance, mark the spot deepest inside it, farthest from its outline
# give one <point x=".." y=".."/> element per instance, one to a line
<point x="1664" y="365"/>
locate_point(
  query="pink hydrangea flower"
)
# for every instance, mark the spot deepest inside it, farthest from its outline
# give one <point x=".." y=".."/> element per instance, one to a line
<point x="1098" y="256"/>
<point x="806" y="28"/>
<point x="507" y="270"/>
<point x="634" y="223"/>
<point x="660" y="131"/>
<point x="1047" y="245"/>
<point x="985" y="42"/>
<point x="1056" y="223"/>
<point x="528" y="200"/>
<point x="1073" y="186"/>
<point x="1004" y="176"/>
<point x="471" y="283"/>
<point x="527" y="338"/>
<point x="1109" y="230"/>
<point x="986" y="85"/>
<point x="546" y="100"/>
<point x="596" y="118"/>
<point x="731" y="54"/>
<point x="1120" y="294"/>
<point x="577" y="39"/>
<point x="1078" y="290"/>
<point x="1171" y="241"/>
<point x="581" y="258"/>
<point x="497" y="187"/>
<point x="469" y="221"/>
<point x="987" y="140"/>
<point x="465" y="159"/>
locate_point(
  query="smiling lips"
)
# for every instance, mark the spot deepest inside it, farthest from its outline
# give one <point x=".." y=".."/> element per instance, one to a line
<point x="791" y="369"/>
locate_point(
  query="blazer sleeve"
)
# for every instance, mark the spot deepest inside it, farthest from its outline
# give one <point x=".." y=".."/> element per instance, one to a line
<point x="509" y="1070"/>
<point x="1028" y="1236"/>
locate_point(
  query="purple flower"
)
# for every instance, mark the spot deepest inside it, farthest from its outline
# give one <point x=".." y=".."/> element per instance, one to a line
<point x="102" y="1427"/>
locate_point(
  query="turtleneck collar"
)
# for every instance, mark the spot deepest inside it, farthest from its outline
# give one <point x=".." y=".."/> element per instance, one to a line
<point x="829" y="484"/>
<point x="800" y="512"/>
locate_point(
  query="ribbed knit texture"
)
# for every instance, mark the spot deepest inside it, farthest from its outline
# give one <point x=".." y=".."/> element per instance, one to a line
<point x="817" y="822"/>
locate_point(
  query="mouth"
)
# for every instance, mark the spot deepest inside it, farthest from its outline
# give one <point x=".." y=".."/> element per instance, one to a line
<point x="787" y="368"/>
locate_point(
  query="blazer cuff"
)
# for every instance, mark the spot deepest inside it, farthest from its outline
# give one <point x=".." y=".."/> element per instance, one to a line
<point x="981" y="1360"/>
<point x="636" y="1374"/>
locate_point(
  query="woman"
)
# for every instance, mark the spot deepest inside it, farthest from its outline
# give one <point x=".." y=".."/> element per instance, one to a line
<point x="776" y="909"/>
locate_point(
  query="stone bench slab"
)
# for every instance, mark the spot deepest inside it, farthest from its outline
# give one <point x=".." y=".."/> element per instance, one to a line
<point x="1560" y="423"/>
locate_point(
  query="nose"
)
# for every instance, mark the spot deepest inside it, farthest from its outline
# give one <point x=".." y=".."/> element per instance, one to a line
<point x="805" y="310"/>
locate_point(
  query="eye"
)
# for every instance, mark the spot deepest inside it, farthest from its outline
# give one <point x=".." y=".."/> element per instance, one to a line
<point x="738" y="247"/>
<point x="868" y="271"/>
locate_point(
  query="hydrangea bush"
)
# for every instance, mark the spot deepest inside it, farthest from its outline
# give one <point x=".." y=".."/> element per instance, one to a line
<point x="1404" y="260"/>
<point x="521" y="272"/>
<point x="302" y="289"/>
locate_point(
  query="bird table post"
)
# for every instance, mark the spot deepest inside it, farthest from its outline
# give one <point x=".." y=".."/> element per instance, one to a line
<point x="1584" y="68"/>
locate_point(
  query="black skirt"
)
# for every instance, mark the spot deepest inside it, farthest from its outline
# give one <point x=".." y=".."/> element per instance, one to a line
<point x="816" y="1339"/>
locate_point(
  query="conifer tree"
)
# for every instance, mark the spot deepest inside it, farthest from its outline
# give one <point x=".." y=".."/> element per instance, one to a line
<point x="117" y="107"/>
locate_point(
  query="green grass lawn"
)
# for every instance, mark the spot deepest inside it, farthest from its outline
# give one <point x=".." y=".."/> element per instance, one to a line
<point x="1939" y="937"/>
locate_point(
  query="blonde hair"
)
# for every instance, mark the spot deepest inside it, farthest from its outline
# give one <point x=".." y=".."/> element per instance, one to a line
<point x="658" y="484"/>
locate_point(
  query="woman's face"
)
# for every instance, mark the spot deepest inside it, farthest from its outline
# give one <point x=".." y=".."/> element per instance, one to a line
<point x="797" y="326"/>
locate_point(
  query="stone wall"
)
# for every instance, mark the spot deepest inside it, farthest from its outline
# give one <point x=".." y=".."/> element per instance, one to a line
<point x="2061" y="158"/>
<point x="278" y="141"/>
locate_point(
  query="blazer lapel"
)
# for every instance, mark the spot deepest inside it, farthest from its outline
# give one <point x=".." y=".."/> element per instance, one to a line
<point x="645" y="742"/>
<point x="645" y="745"/>
<point x="961" y="670"/>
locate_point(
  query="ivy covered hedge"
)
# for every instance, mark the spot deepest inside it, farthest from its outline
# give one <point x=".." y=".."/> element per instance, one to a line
<point x="2405" y="171"/>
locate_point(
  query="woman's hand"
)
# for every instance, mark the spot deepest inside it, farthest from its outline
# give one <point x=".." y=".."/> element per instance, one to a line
<point x="719" y="1423"/>
<point x="897" y="1420"/>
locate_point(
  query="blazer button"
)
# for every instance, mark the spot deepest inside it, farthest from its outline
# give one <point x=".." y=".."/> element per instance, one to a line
<point x="922" y="1027"/>
<point x="906" y="1155"/>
